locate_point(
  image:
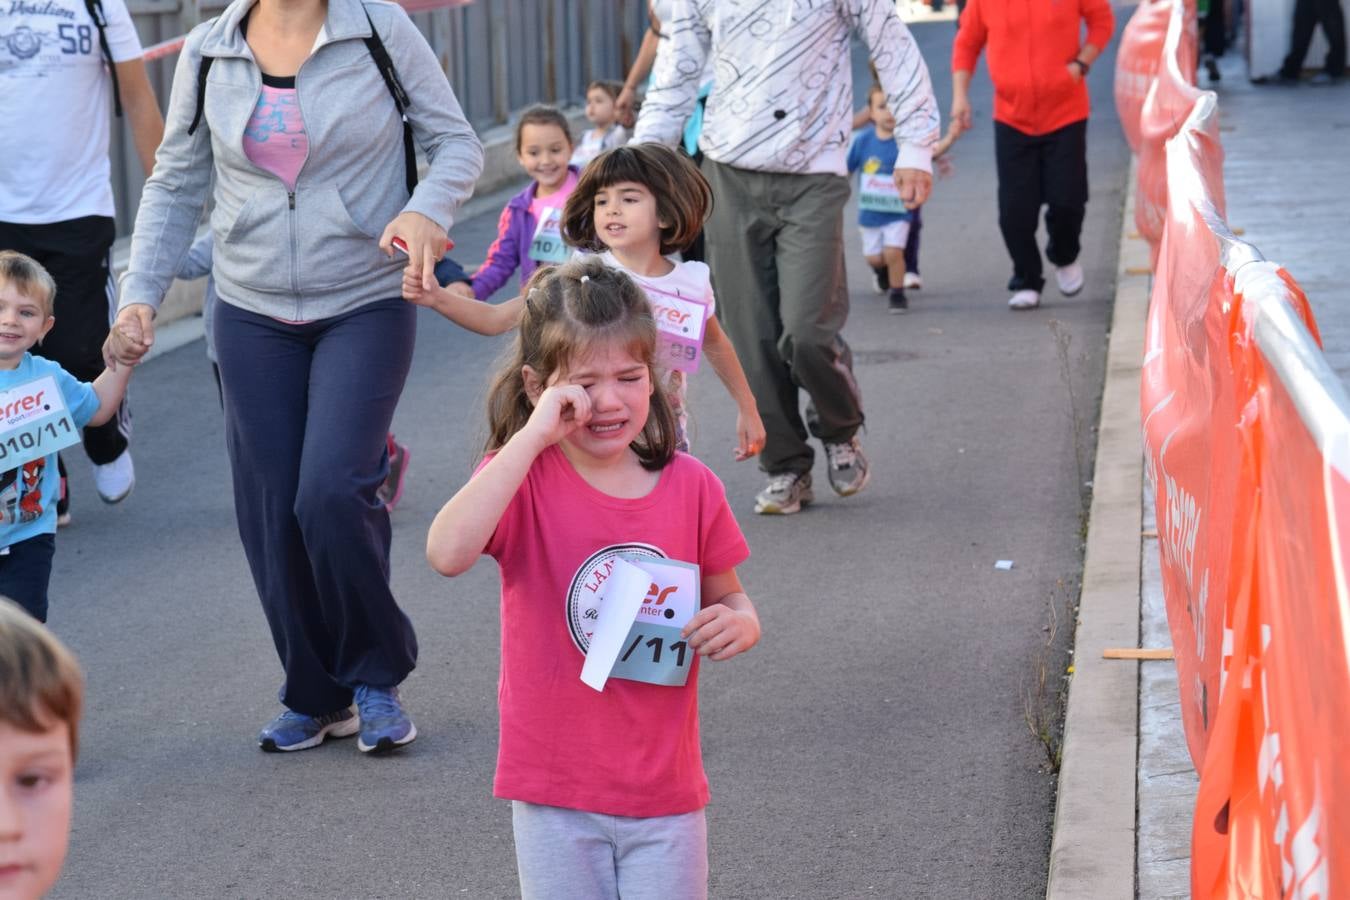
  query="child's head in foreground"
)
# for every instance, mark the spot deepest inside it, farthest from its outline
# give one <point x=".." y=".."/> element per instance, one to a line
<point x="601" y="97"/>
<point x="663" y="195"/>
<point x="585" y="323"/>
<point x="27" y="297"/>
<point x="544" y="146"/>
<point x="41" y="692"/>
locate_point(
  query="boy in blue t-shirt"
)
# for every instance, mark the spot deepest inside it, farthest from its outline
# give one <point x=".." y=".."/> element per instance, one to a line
<point x="32" y="417"/>
<point x="882" y="217"/>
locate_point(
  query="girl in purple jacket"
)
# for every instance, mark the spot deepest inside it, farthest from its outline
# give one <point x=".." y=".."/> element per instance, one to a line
<point x="528" y="232"/>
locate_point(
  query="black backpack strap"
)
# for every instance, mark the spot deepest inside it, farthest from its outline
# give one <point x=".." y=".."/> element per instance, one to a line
<point x="95" y="10"/>
<point x="202" y="69"/>
<point x="401" y="101"/>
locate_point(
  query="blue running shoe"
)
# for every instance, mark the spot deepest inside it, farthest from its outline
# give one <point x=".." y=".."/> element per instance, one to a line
<point x="296" y="731"/>
<point x="384" y="724"/>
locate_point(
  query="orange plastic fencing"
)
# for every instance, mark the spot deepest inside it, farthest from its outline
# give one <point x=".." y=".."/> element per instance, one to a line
<point x="1167" y="102"/>
<point x="1137" y="61"/>
<point x="1189" y="402"/>
<point x="1270" y="821"/>
<point x="1247" y="438"/>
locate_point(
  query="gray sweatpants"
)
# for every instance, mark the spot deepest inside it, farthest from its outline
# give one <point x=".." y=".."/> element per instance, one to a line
<point x="775" y="245"/>
<point x="568" y="854"/>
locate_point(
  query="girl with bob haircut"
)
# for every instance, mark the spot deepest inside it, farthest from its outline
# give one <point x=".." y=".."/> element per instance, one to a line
<point x="581" y="475"/>
<point x="638" y="206"/>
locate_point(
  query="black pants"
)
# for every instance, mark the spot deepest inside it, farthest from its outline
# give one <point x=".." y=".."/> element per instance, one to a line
<point x="307" y="408"/>
<point x="1215" y="32"/>
<point x="78" y="254"/>
<point x="1308" y="14"/>
<point x="25" y="572"/>
<point x="1040" y="170"/>
<point x="912" y="245"/>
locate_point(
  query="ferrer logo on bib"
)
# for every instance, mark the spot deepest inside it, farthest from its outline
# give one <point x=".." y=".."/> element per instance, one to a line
<point x="34" y="422"/>
<point x="587" y="588"/>
<point x="629" y="604"/>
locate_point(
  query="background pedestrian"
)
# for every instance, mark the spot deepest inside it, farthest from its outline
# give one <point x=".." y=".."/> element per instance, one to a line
<point x="73" y="64"/>
<point x="528" y="230"/>
<point x="775" y="145"/>
<point x="1039" y="67"/>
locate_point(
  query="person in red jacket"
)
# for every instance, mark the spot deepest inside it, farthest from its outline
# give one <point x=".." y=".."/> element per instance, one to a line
<point x="1038" y="61"/>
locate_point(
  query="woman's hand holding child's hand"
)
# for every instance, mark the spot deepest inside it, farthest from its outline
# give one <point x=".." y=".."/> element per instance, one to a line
<point x="131" y="336"/>
<point x="559" y="411"/>
<point x="720" y="632"/>
<point x="415" y="292"/>
<point x="425" y="241"/>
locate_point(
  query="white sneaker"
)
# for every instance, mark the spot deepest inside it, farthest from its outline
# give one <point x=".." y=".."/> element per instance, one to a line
<point x="1069" y="278"/>
<point x="115" y="480"/>
<point x="1025" y="300"/>
<point x="913" y="282"/>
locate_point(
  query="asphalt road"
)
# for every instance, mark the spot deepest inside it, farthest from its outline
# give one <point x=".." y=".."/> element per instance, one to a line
<point x="874" y="744"/>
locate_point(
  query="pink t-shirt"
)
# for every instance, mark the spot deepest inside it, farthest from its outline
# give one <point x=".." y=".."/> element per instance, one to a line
<point x="275" y="138"/>
<point x="633" y="749"/>
<point x="556" y="200"/>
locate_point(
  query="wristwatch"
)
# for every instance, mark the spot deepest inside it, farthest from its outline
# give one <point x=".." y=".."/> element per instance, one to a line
<point x="1083" y="67"/>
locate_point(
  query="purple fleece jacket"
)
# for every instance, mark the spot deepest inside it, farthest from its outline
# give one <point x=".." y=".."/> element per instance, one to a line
<point x="511" y="249"/>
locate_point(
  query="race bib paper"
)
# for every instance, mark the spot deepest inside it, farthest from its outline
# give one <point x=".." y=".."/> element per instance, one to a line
<point x="548" y="246"/>
<point x="681" y="323"/>
<point x="878" y="193"/>
<point x="34" y="421"/>
<point x="646" y="605"/>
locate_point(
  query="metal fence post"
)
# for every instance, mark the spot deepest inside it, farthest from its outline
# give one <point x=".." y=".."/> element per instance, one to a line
<point x="497" y="34"/>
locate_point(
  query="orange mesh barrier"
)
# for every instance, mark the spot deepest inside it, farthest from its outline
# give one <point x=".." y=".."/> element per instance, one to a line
<point x="1247" y="437"/>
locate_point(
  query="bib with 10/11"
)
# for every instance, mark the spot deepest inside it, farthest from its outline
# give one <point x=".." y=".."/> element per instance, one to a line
<point x="547" y="245"/>
<point x="638" y="634"/>
<point x="34" y="422"/>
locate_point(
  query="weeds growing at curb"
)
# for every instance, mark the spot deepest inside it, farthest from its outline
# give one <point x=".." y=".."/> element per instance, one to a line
<point x="1081" y="451"/>
<point x="1045" y="692"/>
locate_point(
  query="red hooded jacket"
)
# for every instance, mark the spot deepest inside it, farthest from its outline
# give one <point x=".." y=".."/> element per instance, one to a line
<point x="1030" y="45"/>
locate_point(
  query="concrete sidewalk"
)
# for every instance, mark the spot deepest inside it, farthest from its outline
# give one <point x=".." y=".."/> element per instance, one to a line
<point x="1284" y="180"/>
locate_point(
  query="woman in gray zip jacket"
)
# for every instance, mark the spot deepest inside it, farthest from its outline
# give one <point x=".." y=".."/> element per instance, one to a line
<point x="300" y="144"/>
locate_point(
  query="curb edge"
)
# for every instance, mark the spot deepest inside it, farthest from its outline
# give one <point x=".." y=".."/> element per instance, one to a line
<point x="1093" y="848"/>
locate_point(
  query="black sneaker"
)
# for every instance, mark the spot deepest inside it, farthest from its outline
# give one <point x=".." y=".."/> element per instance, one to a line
<point x="897" y="302"/>
<point x="882" y="279"/>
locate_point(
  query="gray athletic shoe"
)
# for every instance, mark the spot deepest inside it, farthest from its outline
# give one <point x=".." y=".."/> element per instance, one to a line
<point x="848" y="468"/>
<point x="785" y="494"/>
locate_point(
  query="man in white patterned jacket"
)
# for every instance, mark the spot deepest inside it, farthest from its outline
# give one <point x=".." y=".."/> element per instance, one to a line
<point x="775" y="142"/>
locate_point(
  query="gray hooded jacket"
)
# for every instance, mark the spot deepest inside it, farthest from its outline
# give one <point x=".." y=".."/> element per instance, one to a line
<point x="312" y="253"/>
